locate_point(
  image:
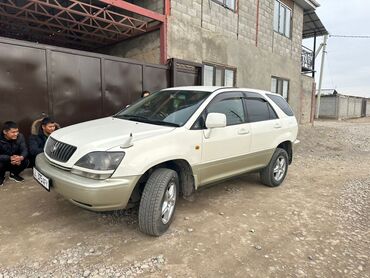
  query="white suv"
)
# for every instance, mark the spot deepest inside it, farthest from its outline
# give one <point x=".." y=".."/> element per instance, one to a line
<point x="166" y="145"/>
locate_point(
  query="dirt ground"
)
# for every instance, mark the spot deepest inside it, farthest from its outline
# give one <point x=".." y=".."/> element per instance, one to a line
<point x="317" y="224"/>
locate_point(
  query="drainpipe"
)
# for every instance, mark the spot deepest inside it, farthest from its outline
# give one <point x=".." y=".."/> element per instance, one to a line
<point x="257" y="21"/>
<point x="321" y="75"/>
<point x="314" y="57"/>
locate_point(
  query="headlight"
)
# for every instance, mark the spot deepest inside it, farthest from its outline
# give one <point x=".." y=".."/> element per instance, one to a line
<point x="98" y="165"/>
<point x="101" y="161"/>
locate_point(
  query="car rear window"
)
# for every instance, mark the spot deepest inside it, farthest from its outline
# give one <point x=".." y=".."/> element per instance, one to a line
<point x="283" y="105"/>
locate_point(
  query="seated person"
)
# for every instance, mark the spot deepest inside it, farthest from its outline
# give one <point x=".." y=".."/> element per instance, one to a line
<point x="40" y="131"/>
<point x="13" y="152"/>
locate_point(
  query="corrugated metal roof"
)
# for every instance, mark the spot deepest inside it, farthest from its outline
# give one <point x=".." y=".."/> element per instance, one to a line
<point x="312" y="25"/>
<point x="307" y="4"/>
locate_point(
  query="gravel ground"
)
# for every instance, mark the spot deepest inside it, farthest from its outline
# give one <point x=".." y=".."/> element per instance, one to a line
<point x="317" y="224"/>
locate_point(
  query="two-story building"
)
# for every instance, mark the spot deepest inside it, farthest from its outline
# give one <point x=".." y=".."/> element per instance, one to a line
<point x="245" y="43"/>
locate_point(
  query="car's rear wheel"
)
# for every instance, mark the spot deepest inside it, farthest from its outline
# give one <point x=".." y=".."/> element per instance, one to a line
<point x="274" y="173"/>
<point x="158" y="202"/>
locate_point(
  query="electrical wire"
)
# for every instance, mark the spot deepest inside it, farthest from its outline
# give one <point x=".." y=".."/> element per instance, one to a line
<point x="350" y="36"/>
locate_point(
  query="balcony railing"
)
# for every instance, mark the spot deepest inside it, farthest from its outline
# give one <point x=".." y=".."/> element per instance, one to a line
<point x="307" y="60"/>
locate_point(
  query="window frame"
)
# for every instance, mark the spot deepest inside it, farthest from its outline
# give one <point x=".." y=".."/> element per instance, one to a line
<point x="223" y="69"/>
<point x="223" y="4"/>
<point x="280" y="81"/>
<point x="283" y="32"/>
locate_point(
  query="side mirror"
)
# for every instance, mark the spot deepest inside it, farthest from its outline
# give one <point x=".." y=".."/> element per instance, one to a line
<point x="215" y="120"/>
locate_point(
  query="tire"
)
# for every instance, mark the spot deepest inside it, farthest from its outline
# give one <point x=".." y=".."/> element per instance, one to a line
<point x="158" y="202"/>
<point x="274" y="173"/>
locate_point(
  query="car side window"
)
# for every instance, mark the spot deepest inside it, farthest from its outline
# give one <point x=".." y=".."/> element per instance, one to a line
<point x="259" y="110"/>
<point x="232" y="107"/>
<point x="281" y="102"/>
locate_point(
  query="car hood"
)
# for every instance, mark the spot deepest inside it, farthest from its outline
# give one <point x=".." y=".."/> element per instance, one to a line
<point x="107" y="133"/>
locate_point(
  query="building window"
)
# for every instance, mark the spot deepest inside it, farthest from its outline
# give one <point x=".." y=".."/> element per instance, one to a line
<point x="219" y="76"/>
<point x="208" y="75"/>
<point x="229" y="78"/>
<point x="230" y="4"/>
<point x="282" y="19"/>
<point x="280" y="86"/>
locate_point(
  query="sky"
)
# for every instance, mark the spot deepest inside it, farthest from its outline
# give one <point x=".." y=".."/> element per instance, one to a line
<point x="347" y="64"/>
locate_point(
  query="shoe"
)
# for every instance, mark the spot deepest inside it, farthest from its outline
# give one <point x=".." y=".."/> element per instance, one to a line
<point x="16" y="178"/>
<point x="2" y="181"/>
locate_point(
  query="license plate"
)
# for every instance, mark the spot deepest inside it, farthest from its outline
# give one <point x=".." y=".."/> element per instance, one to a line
<point x="44" y="181"/>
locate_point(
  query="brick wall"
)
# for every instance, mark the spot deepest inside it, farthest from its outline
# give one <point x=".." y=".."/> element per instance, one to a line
<point x="153" y="5"/>
<point x="145" y="48"/>
<point x="306" y="98"/>
<point x="213" y="17"/>
<point x="266" y="17"/>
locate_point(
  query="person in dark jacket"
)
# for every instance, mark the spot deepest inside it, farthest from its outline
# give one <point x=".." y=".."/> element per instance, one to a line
<point x="41" y="129"/>
<point x="13" y="152"/>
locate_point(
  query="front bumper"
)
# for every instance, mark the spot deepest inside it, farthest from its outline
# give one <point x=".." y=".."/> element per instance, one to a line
<point x="96" y="195"/>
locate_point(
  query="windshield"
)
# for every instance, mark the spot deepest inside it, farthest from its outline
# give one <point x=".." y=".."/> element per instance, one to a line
<point x="173" y="108"/>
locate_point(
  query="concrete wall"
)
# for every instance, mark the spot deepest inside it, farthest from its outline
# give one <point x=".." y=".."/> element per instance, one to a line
<point x="343" y="107"/>
<point x="328" y="107"/>
<point x="357" y="107"/>
<point x="354" y="107"/>
<point x="340" y="107"/>
<point x="204" y="31"/>
<point x="153" y="5"/>
<point x="306" y="98"/>
<point x="145" y="48"/>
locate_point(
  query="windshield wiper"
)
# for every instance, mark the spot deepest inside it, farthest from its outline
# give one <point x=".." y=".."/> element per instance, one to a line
<point x="133" y="117"/>
<point x="163" y="123"/>
<point x="145" y="120"/>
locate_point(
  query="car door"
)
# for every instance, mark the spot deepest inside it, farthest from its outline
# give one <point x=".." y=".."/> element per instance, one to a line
<point x="265" y="126"/>
<point x="225" y="148"/>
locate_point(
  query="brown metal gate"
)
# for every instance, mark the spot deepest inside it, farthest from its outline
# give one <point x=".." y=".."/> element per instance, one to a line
<point x="70" y="85"/>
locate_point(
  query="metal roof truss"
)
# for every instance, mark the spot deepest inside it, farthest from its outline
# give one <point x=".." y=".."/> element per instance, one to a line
<point x="79" y="24"/>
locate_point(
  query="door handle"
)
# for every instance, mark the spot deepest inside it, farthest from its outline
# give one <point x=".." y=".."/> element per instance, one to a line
<point x="243" y="131"/>
<point x="277" y="125"/>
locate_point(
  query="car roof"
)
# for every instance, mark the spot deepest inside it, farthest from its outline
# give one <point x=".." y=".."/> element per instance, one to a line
<point x="195" y="88"/>
<point x="212" y="89"/>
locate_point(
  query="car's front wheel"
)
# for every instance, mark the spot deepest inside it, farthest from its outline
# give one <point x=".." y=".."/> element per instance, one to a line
<point x="274" y="173"/>
<point x="158" y="202"/>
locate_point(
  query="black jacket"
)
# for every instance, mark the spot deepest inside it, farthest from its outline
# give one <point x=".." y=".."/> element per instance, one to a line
<point x="37" y="143"/>
<point x="12" y="147"/>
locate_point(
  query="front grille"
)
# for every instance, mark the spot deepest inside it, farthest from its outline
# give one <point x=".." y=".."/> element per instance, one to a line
<point x="59" y="151"/>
